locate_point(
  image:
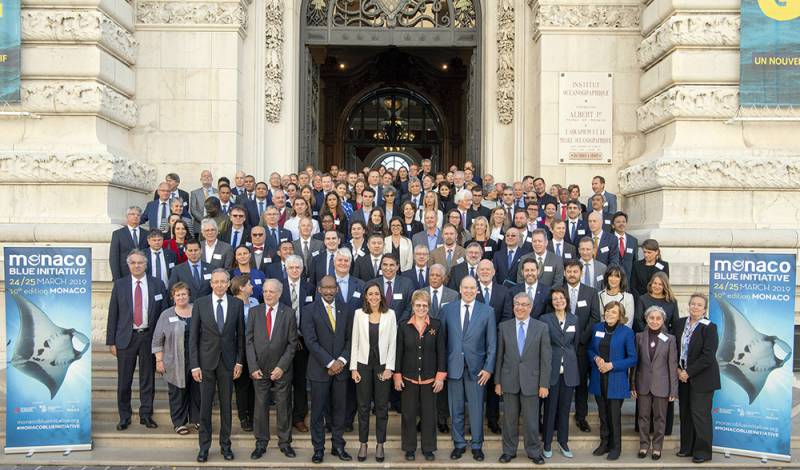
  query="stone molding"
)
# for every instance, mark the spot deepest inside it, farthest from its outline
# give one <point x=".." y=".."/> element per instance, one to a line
<point x="505" y="61"/>
<point x="585" y="16"/>
<point x="78" y="97"/>
<point x="195" y="14"/>
<point x="693" y="30"/>
<point x="273" y="60"/>
<point x="711" y="173"/>
<point x="42" y="167"/>
<point x="92" y="26"/>
<point x="688" y="102"/>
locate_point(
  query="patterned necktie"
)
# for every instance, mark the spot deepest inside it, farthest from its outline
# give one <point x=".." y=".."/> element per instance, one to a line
<point x="486" y="297"/>
<point x="573" y="299"/>
<point x="521" y="337"/>
<point x="135" y="236"/>
<point x="163" y="217"/>
<point x="295" y="303"/>
<point x="330" y="264"/>
<point x="331" y="317"/>
<point x="539" y="263"/>
<point x="510" y="258"/>
<point x="137" y="305"/>
<point x="389" y="292"/>
<point x="305" y="251"/>
<point x="530" y="293"/>
<point x="220" y="316"/>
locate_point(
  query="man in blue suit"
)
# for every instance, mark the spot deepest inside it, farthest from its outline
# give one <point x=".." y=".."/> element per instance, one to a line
<point x="157" y="211"/>
<point x="506" y="261"/>
<point x="471" y="351"/>
<point x="605" y="244"/>
<point x="538" y="292"/>
<point x="576" y="226"/>
<point x="275" y="234"/>
<point x="419" y="273"/>
<point x="350" y="287"/>
<point x="610" y="199"/>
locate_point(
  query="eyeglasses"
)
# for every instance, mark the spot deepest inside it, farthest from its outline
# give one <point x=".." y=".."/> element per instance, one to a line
<point x="237" y="215"/>
<point x="256" y="234"/>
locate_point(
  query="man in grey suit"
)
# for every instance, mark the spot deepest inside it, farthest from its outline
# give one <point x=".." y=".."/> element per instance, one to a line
<point x="609" y="199"/>
<point x="551" y="267"/>
<point x="197" y="198"/>
<point x="306" y="246"/>
<point x="271" y="342"/>
<point x="431" y="236"/>
<point x="522" y="378"/>
<point x="215" y="252"/>
<point x="593" y="270"/>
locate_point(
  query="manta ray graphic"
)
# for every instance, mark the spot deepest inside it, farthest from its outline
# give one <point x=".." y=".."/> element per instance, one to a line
<point x="44" y="351"/>
<point x="746" y="355"/>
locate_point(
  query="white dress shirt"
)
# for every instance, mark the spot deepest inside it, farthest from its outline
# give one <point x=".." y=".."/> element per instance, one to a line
<point x="214" y="300"/>
<point x="471" y="306"/>
<point x="163" y="274"/>
<point x="209" y="250"/>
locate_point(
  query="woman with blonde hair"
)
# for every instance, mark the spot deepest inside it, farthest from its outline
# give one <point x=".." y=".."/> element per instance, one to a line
<point x="481" y="234"/>
<point x="430" y="201"/>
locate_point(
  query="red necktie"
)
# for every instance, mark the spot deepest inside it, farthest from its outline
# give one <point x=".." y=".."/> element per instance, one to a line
<point x="563" y="212"/>
<point x="137" y="305"/>
<point x="621" y="247"/>
<point x="269" y="322"/>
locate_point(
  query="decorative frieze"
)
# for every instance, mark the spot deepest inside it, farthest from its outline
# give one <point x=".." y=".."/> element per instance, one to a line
<point x="690" y="30"/>
<point x="91" y="26"/>
<point x="154" y="13"/>
<point x="273" y="69"/>
<point x="505" y="60"/>
<point x="688" y="102"/>
<point x="78" y="97"/>
<point x="591" y="17"/>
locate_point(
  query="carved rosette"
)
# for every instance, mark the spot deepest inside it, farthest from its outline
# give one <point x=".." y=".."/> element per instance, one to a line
<point x="505" y="61"/>
<point x="79" y="167"/>
<point x="595" y="17"/>
<point x="273" y="71"/>
<point x="46" y="25"/>
<point x="78" y="97"/>
<point x="703" y="30"/>
<point x="192" y="13"/>
<point x="688" y="102"/>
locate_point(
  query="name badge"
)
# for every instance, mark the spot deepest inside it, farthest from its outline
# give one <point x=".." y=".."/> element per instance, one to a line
<point x="548" y="269"/>
<point x="248" y="244"/>
<point x="267" y="260"/>
<point x="660" y="266"/>
<point x="173" y="319"/>
<point x="604" y="249"/>
<point x="361" y="252"/>
<point x="158" y="297"/>
<point x="207" y="277"/>
<point x="257" y="282"/>
<point x="380" y="272"/>
<point x="309" y="298"/>
<point x="398" y="297"/>
<point x="283" y="239"/>
<point x="581" y="303"/>
<point x="605" y="204"/>
<point x="663" y="337"/>
<point x="185" y="204"/>
<point x="600" y="334"/>
<point x="571" y="329"/>
<point x="500" y="236"/>
<point x="487" y="249"/>
<point x="460" y="260"/>
<point x="440" y="244"/>
<point x="599" y="278"/>
<point x="216" y="256"/>
<point x="171" y="265"/>
<point x="315" y="213"/>
<point x="356" y="295"/>
<point x="629" y="250"/>
<point x="337" y="222"/>
<point x="608" y="222"/>
<point x="567" y="255"/>
<point x="705" y="321"/>
<point x="581" y="232"/>
<point x="408" y="228"/>
<point x="314" y="253"/>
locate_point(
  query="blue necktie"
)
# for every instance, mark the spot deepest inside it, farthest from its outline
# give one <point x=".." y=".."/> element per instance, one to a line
<point x="586" y="279"/>
<point x="260" y="208"/>
<point x="330" y="264"/>
<point x="520" y="338"/>
<point x="472" y="271"/>
<point x="196" y="273"/>
<point x="235" y="241"/>
<point x="275" y="236"/>
<point x="486" y="297"/>
<point x="466" y="319"/>
<point x="163" y="213"/>
<point x="435" y="301"/>
<point x="558" y="250"/>
<point x="510" y="258"/>
<point x="220" y="316"/>
<point x="421" y="279"/>
<point x="283" y="270"/>
<point x="572" y="232"/>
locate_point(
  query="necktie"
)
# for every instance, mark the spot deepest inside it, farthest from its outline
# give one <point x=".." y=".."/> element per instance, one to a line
<point x="283" y="270"/>
<point x="521" y="337"/>
<point x="137" y="305"/>
<point x="449" y="258"/>
<point x="331" y="318"/>
<point x="163" y="222"/>
<point x="260" y="208"/>
<point x="572" y="231"/>
<point x="220" y="316"/>
<point x="305" y="250"/>
<point x="330" y="264"/>
<point x="275" y="236"/>
<point x="435" y="301"/>
<point x="158" y="266"/>
<point x="621" y="247"/>
<point x="486" y="297"/>
<point x="539" y="263"/>
<point x="573" y="300"/>
<point x="466" y="319"/>
<point x="510" y="258"/>
<point x="586" y="277"/>
<point x="342" y="288"/>
<point x="421" y="279"/>
<point x="135" y="236"/>
<point x="225" y="209"/>
<point x="295" y="303"/>
<point x="269" y="322"/>
<point x="472" y="271"/>
<point x="235" y="241"/>
<point x="196" y="273"/>
<point x="463" y="219"/>
<point x="530" y="293"/>
<point x="594" y="238"/>
<point x="563" y="212"/>
<point x="389" y="292"/>
<point x="375" y="266"/>
<point x="558" y="250"/>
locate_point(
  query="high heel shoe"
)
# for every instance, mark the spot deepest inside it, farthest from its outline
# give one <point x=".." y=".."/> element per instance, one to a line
<point x="362" y="452"/>
<point x="379" y="454"/>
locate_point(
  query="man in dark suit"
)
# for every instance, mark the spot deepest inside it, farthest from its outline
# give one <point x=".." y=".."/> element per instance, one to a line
<point x="307" y="246"/>
<point x="415" y="193"/>
<point x="369" y="266"/>
<point x="157" y="211"/>
<point x="323" y="263"/>
<point x="609" y="199"/>
<point x="477" y="209"/>
<point x="374" y="183"/>
<point x="585" y="304"/>
<point x="558" y="245"/>
<point x="605" y="247"/>
<point x="194" y="272"/>
<point x="576" y="226"/>
<point x="506" y="261"/>
<point x="418" y="274"/>
<point x="216" y="356"/>
<point x="551" y="268"/>
<point x="473" y="255"/>
<point x="277" y="269"/>
<point x="214" y="251"/>
<point x="297" y="293"/>
<point x="598" y="208"/>
<point x="173" y="180"/>
<point x="396" y="289"/>
<point x="137" y="300"/>
<point x="627" y="244"/>
<point x="271" y="344"/>
<point x="522" y="378"/>
<point x="367" y="204"/>
<point x="326" y="326"/>
<point x="160" y="262"/>
<point x="275" y="234"/>
<point x="237" y="234"/>
<point x="125" y="239"/>
<point x="538" y="292"/>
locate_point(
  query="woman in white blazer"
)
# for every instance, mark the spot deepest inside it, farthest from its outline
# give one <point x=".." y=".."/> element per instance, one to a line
<point x="398" y="244"/>
<point x="372" y="356"/>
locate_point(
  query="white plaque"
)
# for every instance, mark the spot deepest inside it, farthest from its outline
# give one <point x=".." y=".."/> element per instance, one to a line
<point x="585" y="114"/>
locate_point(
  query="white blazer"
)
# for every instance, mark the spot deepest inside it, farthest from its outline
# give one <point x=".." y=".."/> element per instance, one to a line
<point x="387" y="339"/>
<point x="406" y="252"/>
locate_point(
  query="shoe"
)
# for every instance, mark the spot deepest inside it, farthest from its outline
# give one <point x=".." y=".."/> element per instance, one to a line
<point x="444" y="428"/>
<point x="288" y="451"/>
<point x="538" y="460"/>
<point x="301" y="426"/>
<point x="258" y="453"/>
<point x="148" y="422"/>
<point x="683" y="454"/>
<point x="613" y="455"/>
<point x="123" y="424"/>
<point x="318" y="456"/>
<point x="642" y="454"/>
<point x="602" y="449"/>
<point x="699" y="460"/>
<point x="477" y="454"/>
<point x="182" y="430"/>
<point x="429" y="456"/>
<point x="494" y="428"/>
<point x="380" y="455"/>
<point x="457" y="453"/>
<point x="547" y="453"/>
<point x="583" y="426"/>
<point x="410" y="456"/>
<point x="196" y="426"/>
<point x="362" y="453"/>
<point x="227" y="453"/>
<point x="655" y="455"/>
<point x="564" y="449"/>
<point x="202" y="456"/>
<point x="247" y="425"/>
<point x="505" y="458"/>
<point x="342" y="454"/>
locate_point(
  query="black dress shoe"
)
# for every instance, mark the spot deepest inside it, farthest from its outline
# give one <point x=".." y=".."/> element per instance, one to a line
<point x="477" y="454"/>
<point x="258" y="453"/>
<point x="342" y="454"/>
<point x="410" y="456"/>
<point x="457" y="453"/>
<point x="429" y="456"/>
<point x="444" y="428"/>
<point x="583" y="426"/>
<point x="123" y="425"/>
<point x="613" y="455"/>
<point x="288" y="451"/>
<point x="538" y="460"/>
<point x="602" y="449"/>
<point x="494" y="428"/>
<point x="505" y="458"/>
<point x="318" y="456"/>
<point x="227" y="453"/>
<point x="148" y="422"/>
<point x="699" y="459"/>
<point x="683" y="454"/>
<point x="202" y="456"/>
<point x="247" y="425"/>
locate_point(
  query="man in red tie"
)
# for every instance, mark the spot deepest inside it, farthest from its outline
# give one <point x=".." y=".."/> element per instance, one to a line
<point x="136" y="302"/>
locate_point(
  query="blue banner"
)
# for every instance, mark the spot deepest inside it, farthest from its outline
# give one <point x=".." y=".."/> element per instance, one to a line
<point x="49" y="326"/>
<point x="752" y="304"/>
<point x="9" y="50"/>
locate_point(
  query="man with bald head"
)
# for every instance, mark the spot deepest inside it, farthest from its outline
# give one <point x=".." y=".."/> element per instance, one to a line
<point x="157" y="211"/>
<point x="197" y="198"/>
<point x="604" y="243"/>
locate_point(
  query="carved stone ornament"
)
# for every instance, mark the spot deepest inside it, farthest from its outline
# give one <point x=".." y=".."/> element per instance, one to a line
<point x="39" y="25"/>
<point x="79" y="167"/>
<point x="273" y="70"/>
<point x="505" y="61"/>
<point x="688" y="102"/>
<point x="696" y="30"/>
<point x="192" y="13"/>
<point x="711" y="173"/>
<point x="77" y="97"/>
<point x="609" y="17"/>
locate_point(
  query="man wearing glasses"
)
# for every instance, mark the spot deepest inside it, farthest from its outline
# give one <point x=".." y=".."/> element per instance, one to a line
<point x="237" y="233"/>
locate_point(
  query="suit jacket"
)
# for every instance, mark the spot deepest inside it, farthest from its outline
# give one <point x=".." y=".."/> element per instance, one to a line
<point x="387" y="339"/>
<point x="401" y="301"/>
<point x="197" y="205"/>
<point x="599" y="271"/>
<point x="504" y="271"/>
<point x="170" y="260"/>
<point x="540" y="300"/>
<point x="207" y="345"/>
<point x="610" y="203"/>
<point x="421" y="357"/>
<point x="119" y="328"/>
<point x="523" y="373"/>
<point x="587" y="309"/>
<point x="355" y="293"/>
<point x="364" y="269"/>
<point x="607" y="249"/>
<point x="568" y="251"/>
<point x="150" y="214"/>
<point x="421" y="238"/>
<point x="184" y="197"/>
<point x="564" y="343"/>
<point x="500" y="300"/>
<point x="319" y="267"/>
<point x="439" y="255"/>
<point x="275" y="271"/>
<point x="581" y="230"/>
<point x="121" y="244"/>
<point x="622" y="354"/>
<point x="251" y="208"/>
<point x="244" y="237"/>
<point x="222" y="256"/>
<point x="631" y="254"/>
<point x="457" y="273"/>
<point x="313" y="246"/>
<point x="277" y="350"/>
<point x="702" y="365"/>
<point x="657" y="376"/>
<point x="323" y="343"/>
<point x="305" y="296"/>
<point x="413" y="276"/>
<point x="406" y="252"/>
<point x="183" y="273"/>
<point x="552" y="273"/>
<point x="479" y="212"/>
<point x="271" y="245"/>
<point x="447" y="296"/>
<point x="477" y="346"/>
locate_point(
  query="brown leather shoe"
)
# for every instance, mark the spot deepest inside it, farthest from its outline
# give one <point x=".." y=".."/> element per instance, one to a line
<point x="301" y="426"/>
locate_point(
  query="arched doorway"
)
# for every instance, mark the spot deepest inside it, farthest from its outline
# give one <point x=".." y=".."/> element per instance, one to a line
<point x="427" y="51"/>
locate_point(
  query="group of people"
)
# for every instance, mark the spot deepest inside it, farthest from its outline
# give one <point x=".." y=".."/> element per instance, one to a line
<point x="437" y="295"/>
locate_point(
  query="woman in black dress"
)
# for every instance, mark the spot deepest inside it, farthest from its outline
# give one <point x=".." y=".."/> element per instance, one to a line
<point x="644" y="268"/>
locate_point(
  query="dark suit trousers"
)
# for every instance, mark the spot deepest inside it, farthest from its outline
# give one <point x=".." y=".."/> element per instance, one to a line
<point x="184" y="403"/>
<point x="649" y="405"/>
<point x="556" y="411"/>
<point x="443" y="405"/>
<point x="264" y="390"/>
<point x="139" y="348"/>
<point x="418" y="400"/>
<point x="370" y="390"/>
<point x="610" y="413"/>
<point x="219" y="380"/>
<point x="245" y="400"/>
<point x="696" y="427"/>
<point x="514" y="405"/>
<point x="492" y="403"/>
<point x="582" y="390"/>
<point x="330" y="394"/>
<point x="299" y="392"/>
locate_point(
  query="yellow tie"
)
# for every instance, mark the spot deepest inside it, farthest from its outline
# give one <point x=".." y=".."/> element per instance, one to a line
<point x="595" y="246"/>
<point x="331" y="318"/>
